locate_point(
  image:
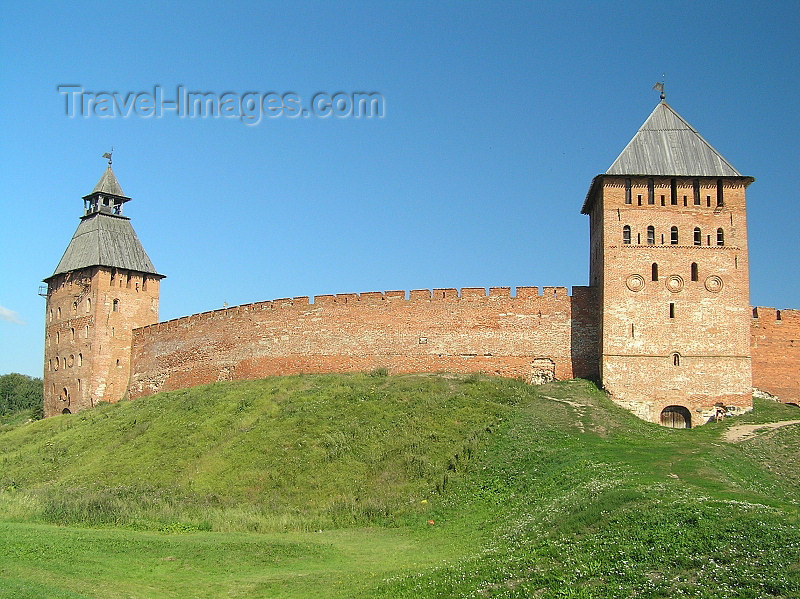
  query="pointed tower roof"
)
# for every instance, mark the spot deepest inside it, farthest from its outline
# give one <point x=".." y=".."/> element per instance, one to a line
<point x="104" y="237"/>
<point x="666" y="145"/>
<point x="108" y="184"/>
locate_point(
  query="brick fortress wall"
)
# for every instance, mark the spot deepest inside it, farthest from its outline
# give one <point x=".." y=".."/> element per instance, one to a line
<point x="775" y="351"/>
<point x="525" y="335"/>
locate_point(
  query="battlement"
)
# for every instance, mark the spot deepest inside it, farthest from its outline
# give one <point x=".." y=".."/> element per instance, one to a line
<point x="763" y="316"/>
<point x="549" y="295"/>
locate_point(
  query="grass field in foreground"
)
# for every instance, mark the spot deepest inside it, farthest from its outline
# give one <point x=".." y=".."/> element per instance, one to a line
<point x="324" y="486"/>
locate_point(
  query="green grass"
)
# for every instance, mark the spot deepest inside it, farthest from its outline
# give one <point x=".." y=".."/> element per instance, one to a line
<point x="324" y="486"/>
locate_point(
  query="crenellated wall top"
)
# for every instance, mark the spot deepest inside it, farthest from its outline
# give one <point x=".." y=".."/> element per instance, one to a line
<point x="549" y="294"/>
<point x="763" y="316"/>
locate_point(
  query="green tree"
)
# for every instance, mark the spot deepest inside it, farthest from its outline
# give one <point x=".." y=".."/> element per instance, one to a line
<point x="20" y="392"/>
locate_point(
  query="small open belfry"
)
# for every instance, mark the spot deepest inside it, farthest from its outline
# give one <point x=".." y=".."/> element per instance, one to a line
<point x="665" y="322"/>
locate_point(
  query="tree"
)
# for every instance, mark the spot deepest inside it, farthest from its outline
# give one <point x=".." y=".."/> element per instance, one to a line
<point x="20" y="392"/>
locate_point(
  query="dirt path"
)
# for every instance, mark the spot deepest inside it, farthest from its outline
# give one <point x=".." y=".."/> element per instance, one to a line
<point x="578" y="410"/>
<point x="743" y="432"/>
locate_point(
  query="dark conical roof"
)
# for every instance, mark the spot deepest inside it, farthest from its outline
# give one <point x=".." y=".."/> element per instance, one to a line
<point x="108" y="184"/>
<point x="666" y="145"/>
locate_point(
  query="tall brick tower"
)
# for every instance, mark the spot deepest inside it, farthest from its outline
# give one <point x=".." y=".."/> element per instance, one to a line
<point x="668" y="243"/>
<point x="103" y="287"/>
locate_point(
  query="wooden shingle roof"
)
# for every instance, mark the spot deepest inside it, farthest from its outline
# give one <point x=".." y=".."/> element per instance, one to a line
<point x="666" y="145"/>
<point x="104" y="238"/>
<point x="108" y="184"/>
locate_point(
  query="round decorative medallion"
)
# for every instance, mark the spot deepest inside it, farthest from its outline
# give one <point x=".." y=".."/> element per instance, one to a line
<point x="635" y="282"/>
<point x="714" y="284"/>
<point x="674" y="283"/>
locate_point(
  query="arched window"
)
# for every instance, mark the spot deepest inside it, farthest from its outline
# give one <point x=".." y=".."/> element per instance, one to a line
<point x="698" y="236"/>
<point x="58" y="337"/>
<point x="80" y="359"/>
<point x="86" y="331"/>
<point x="673" y="235"/>
<point x="720" y="237"/>
<point x="51" y="315"/>
<point x="72" y="334"/>
<point x="651" y="235"/>
<point x="56" y="365"/>
<point x="88" y="304"/>
<point x="74" y="307"/>
<point x="115" y="305"/>
<point x="676" y="359"/>
<point x="58" y="313"/>
<point x="654" y="272"/>
<point x="695" y="276"/>
<point x="626" y="235"/>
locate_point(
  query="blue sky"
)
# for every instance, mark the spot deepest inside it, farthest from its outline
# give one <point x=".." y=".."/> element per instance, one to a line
<point x="497" y="116"/>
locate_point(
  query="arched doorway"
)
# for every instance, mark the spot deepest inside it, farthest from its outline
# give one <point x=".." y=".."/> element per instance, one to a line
<point x="676" y="417"/>
<point x="66" y="411"/>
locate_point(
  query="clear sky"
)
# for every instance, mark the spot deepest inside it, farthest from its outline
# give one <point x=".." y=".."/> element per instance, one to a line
<point x="496" y="118"/>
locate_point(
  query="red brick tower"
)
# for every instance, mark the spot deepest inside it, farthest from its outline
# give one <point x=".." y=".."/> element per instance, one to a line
<point x="668" y="243"/>
<point x="103" y="287"/>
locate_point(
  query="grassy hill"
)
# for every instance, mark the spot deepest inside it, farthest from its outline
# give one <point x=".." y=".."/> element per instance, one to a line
<point x="407" y="486"/>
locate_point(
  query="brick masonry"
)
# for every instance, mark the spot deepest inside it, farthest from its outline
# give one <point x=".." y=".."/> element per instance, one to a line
<point x="675" y="307"/>
<point x="775" y="350"/>
<point x="530" y="335"/>
<point x="665" y="322"/>
<point x="613" y="329"/>
<point x="91" y="315"/>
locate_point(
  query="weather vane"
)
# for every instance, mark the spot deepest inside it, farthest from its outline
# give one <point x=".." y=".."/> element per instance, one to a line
<point x="660" y="87"/>
<point x="108" y="155"/>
